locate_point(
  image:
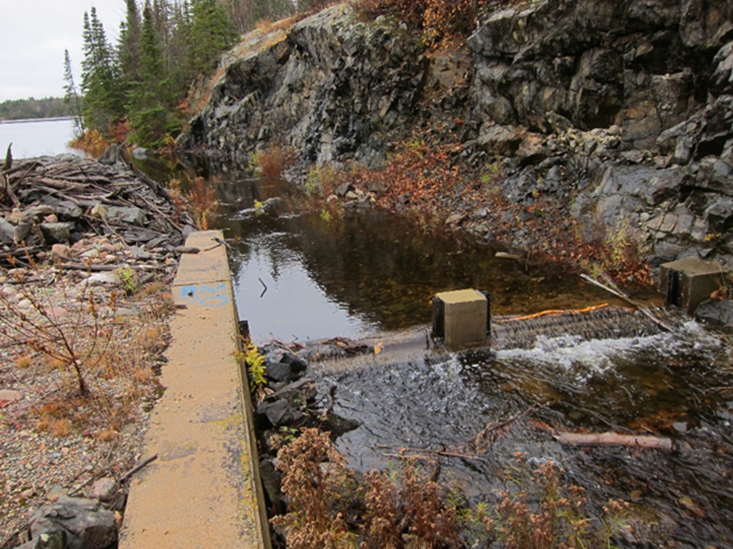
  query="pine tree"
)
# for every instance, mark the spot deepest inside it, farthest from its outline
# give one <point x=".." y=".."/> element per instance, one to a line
<point x="71" y="96"/>
<point x="212" y="32"/>
<point x="102" y="102"/>
<point x="128" y="49"/>
<point x="151" y="100"/>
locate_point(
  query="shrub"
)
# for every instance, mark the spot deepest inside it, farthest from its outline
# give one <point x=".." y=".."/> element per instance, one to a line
<point x="315" y="479"/>
<point x="441" y="21"/>
<point x="271" y="162"/>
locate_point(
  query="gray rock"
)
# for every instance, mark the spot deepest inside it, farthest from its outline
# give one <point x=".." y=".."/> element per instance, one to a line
<point x="104" y="489"/>
<point x="278" y="412"/>
<point x="278" y="371"/>
<point x="716" y="313"/>
<point x="86" y="524"/>
<point x="57" y="232"/>
<point x="7" y="232"/>
<point x="134" y="216"/>
<point x="722" y="79"/>
<point x="271" y="480"/>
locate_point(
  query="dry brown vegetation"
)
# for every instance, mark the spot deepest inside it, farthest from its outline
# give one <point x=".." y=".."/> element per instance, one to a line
<point x="406" y="507"/>
<point x="82" y="361"/>
<point x="425" y="179"/>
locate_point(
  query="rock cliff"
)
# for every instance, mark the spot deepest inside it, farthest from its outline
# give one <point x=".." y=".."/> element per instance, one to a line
<point x="621" y="109"/>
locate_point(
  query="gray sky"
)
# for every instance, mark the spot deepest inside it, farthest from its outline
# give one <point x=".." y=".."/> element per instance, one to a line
<point x="33" y="36"/>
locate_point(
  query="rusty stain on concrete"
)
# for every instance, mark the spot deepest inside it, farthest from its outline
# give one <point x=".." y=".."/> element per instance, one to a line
<point x="204" y="489"/>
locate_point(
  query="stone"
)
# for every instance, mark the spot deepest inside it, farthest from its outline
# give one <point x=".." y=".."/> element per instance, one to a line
<point x="60" y="251"/>
<point x="22" y="231"/>
<point x="7" y="232"/>
<point x="104" y="489"/>
<point x="722" y="79"/>
<point x="297" y="365"/>
<point x="55" y="491"/>
<point x="52" y="540"/>
<point x="85" y="522"/>
<point x="279" y="371"/>
<point x="271" y="480"/>
<point x="10" y="396"/>
<point x="134" y="216"/>
<point x="278" y="412"/>
<point x="57" y="232"/>
<point x="102" y="278"/>
<point x="716" y="312"/>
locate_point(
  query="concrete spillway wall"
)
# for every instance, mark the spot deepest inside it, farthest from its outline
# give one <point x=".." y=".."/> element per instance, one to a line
<point x="203" y="490"/>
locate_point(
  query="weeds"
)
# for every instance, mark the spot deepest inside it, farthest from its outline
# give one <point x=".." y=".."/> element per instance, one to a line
<point x="316" y="481"/>
<point x="128" y="279"/>
<point x="48" y="330"/>
<point x="91" y="142"/>
<point x="540" y="512"/>
<point x="200" y="199"/>
<point x="272" y="162"/>
<point x="255" y="363"/>
<point x="403" y="507"/>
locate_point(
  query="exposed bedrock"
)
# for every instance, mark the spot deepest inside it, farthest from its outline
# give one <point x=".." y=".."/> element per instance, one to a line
<point x="622" y="109"/>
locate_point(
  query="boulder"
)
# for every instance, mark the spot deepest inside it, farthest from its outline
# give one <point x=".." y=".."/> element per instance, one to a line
<point x="85" y="523"/>
<point x="57" y="232"/>
<point x="716" y="312"/>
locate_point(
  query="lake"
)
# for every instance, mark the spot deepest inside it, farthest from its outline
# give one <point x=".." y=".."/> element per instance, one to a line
<point x="37" y="137"/>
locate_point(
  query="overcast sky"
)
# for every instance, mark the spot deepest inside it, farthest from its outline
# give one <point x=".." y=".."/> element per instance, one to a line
<point x="33" y="37"/>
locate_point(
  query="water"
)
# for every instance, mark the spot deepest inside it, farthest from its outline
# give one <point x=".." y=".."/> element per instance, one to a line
<point x="304" y="274"/>
<point x="37" y="137"/>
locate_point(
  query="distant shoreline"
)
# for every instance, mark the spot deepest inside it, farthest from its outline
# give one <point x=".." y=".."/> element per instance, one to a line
<point x="24" y="120"/>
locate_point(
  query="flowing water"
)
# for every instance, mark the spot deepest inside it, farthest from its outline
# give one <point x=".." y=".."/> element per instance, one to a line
<point x="306" y="275"/>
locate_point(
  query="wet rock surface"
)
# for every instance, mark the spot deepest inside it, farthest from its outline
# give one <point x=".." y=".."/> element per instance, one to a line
<point x="621" y="112"/>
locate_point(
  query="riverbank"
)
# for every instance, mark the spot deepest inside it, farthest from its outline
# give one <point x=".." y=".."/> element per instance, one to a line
<point x="88" y="252"/>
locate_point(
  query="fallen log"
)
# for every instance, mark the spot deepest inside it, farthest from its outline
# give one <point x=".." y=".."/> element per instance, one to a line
<point x="614" y="439"/>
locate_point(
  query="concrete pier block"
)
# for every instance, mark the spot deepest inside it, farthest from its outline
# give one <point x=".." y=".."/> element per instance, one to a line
<point x="688" y="282"/>
<point x="461" y="317"/>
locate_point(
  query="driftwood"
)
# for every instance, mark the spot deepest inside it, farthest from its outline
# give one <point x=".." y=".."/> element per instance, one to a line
<point x="82" y="192"/>
<point x="614" y="439"/>
<point x="137" y="467"/>
<point x="641" y="308"/>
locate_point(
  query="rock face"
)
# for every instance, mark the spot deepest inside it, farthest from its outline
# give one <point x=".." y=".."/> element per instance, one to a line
<point x="623" y="110"/>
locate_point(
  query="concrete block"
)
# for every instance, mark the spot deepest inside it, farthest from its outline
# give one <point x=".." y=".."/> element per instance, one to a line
<point x="688" y="282"/>
<point x="461" y="317"/>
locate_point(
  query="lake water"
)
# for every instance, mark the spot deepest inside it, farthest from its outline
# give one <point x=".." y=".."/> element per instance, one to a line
<point x="37" y="137"/>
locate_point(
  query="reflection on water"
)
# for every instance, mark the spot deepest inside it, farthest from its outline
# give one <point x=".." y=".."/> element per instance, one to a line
<point x="358" y="271"/>
<point x="368" y="271"/>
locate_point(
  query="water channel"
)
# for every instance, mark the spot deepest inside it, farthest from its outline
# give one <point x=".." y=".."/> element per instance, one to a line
<point x="302" y="275"/>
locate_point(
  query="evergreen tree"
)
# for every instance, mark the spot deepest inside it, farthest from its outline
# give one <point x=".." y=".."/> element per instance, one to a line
<point x="102" y="102"/>
<point x="71" y="97"/>
<point x="151" y="101"/>
<point x="128" y="49"/>
<point x="211" y="33"/>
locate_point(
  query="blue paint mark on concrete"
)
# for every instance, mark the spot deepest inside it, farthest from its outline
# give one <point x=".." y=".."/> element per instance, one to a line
<point x="207" y="296"/>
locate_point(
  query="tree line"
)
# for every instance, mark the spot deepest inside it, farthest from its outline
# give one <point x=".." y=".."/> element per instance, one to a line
<point x="136" y="89"/>
<point x="49" y="107"/>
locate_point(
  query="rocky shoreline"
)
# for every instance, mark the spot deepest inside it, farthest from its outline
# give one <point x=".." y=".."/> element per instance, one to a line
<point x="620" y="114"/>
<point x="87" y="250"/>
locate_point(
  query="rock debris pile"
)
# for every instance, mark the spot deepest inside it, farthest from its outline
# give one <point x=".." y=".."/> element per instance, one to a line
<point x="52" y="202"/>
